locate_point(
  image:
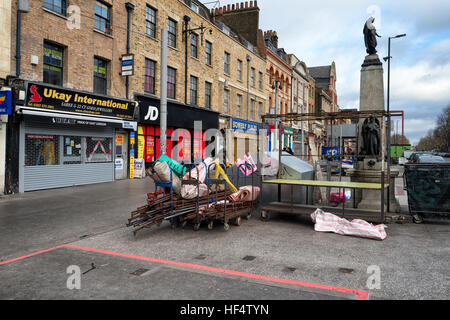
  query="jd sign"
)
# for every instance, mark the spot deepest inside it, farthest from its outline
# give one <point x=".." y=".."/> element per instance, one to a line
<point x="152" y="114"/>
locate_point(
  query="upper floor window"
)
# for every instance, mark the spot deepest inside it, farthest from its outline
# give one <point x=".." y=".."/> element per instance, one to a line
<point x="53" y="64"/>
<point x="239" y="70"/>
<point x="238" y="105"/>
<point x="172" y="33"/>
<point x="171" y="82"/>
<point x="100" y="75"/>
<point x="58" y="6"/>
<point x="102" y="20"/>
<point x="208" y="95"/>
<point x="194" y="90"/>
<point x="226" y="63"/>
<point x="208" y="53"/>
<point x="260" y="81"/>
<point x="226" y="96"/>
<point x="194" y="45"/>
<point x="150" y="22"/>
<point x="252" y="77"/>
<point x="149" y="76"/>
<point x="194" y="7"/>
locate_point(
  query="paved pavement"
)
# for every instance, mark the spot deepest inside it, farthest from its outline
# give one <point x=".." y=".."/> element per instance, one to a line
<point x="280" y="259"/>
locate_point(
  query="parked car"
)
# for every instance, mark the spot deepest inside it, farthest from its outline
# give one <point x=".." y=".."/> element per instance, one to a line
<point x="416" y="155"/>
<point x="430" y="159"/>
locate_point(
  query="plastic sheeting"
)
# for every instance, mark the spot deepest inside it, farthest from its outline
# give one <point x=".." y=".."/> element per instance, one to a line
<point x="328" y="222"/>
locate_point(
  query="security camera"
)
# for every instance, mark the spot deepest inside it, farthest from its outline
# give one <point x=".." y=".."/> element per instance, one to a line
<point x="210" y="31"/>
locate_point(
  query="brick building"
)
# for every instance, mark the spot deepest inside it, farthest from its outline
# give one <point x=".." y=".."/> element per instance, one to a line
<point x="279" y="73"/>
<point x="300" y="96"/>
<point x="5" y="53"/>
<point x="72" y="122"/>
<point x="224" y="77"/>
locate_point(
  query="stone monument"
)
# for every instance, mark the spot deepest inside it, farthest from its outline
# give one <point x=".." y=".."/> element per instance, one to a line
<point x="369" y="165"/>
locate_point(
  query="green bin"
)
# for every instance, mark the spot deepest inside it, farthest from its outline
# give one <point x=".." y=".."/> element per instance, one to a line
<point x="428" y="187"/>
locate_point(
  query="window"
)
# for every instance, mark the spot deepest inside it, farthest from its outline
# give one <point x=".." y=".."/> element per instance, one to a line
<point x="171" y="82"/>
<point x="41" y="150"/>
<point x="102" y="20"/>
<point x="239" y="70"/>
<point x="53" y="63"/>
<point x="238" y="105"/>
<point x="100" y="75"/>
<point x="150" y="22"/>
<point x="208" y="95"/>
<point x="252" y="108"/>
<point x="226" y="95"/>
<point x="58" y="6"/>
<point x="149" y="76"/>
<point x="72" y="150"/>
<point x="194" y="88"/>
<point x="252" y="77"/>
<point x="172" y="33"/>
<point x="226" y="65"/>
<point x="208" y="52"/>
<point x="260" y="110"/>
<point x="194" y="7"/>
<point x="194" y="45"/>
<point x="260" y="81"/>
<point x="98" y="150"/>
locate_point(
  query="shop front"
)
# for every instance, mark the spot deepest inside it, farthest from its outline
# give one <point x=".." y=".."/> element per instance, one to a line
<point x="288" y="137"/>
<point x="185" y="143"/>
<point x="70" y="138"/>
<point x="242" y="139"/>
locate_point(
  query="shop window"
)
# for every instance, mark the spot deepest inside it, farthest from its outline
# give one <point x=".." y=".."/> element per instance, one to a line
<point x="72" y="150"/>
<point x="102" y="20"/>
<point x="41" y="150"/>
<point x="57" y="6"/>
<point x="100" y="75"/>
<point x="98" y="150"/>
<point x="53" y="64"/>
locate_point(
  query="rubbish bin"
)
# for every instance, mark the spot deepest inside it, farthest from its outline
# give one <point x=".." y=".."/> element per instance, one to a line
<point x="428" y="187"/>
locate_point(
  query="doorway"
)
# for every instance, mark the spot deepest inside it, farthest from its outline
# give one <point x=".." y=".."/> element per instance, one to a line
<point x="121" y="155"/>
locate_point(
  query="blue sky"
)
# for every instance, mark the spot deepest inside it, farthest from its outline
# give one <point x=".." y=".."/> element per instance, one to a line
<point x="321" y="31"/>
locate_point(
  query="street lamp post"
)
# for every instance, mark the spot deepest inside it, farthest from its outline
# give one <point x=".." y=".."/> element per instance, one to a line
<point x="277" y="85"/>
<point x="388" y="59"/>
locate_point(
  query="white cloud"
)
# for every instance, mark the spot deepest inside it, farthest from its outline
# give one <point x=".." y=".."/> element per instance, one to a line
<point x="421" y="82"/>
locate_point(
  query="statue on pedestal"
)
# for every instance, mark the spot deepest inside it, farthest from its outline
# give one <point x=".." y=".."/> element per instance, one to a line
<point x="371" y="137"/>
<point x="370" y="36"/>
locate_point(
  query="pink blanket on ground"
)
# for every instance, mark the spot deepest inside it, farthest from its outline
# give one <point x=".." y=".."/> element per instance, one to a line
<point x="328" y="222"/>
<point x="247" y="193"/>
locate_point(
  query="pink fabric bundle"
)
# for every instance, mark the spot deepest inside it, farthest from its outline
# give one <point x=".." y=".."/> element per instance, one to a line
<point x="249" y="165"/>
<point x="245" y="194"/>
<point x="328" y="222"/>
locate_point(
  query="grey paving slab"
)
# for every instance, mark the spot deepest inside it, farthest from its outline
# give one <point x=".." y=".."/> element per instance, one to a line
<point x="45" y="276"/>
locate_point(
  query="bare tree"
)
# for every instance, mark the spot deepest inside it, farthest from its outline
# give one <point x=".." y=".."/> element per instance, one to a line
<point x="439" y="138"/>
